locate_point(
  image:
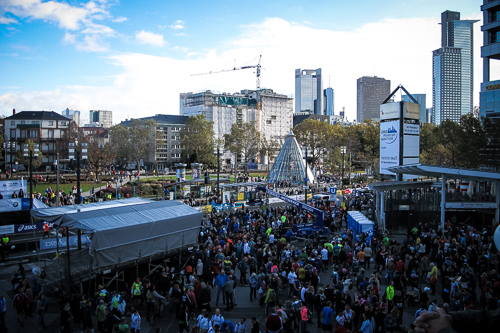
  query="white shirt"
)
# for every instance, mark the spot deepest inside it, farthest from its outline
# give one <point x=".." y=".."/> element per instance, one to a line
<point x="271" y="239"/>
<point x="217" y="320"/>
<point x="324" y="254"/>
<point x="291" y="277"/>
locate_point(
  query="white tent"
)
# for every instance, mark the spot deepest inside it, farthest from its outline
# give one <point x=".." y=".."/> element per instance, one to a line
<point x="126" y="230"/>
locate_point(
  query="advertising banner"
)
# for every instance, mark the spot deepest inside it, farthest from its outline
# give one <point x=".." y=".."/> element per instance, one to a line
<point x="28" y="227"/>
<point x="411" y="111"/>
<point x="389" y="146"/>
<point x="186" y="189"/>
<point x="241" y="196"/>
<point x="9" y="205"/>
<point x="196" y="173"/>
<point x="319" y="214"/>
<point x="51" y="243"/>
<point x="8" y="187"/>
<point x="389" y="111"/>
<point x="7" y="229"/>
<point x="333" y="193"/>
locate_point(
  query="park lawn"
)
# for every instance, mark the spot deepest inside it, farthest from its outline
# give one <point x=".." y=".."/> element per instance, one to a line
<point x="172" y="177"/>
<point x="41" y="187"/>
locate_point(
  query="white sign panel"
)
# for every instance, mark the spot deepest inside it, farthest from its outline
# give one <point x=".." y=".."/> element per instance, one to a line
<point x="469" y="205"/>
<point x="411" y="129"/>
<point x="411" y="111"/>
<point x="389" y="111"/>
<point x="7" y="187"/>
<point x="411" y="146"/>
<point x="389" y="146"/>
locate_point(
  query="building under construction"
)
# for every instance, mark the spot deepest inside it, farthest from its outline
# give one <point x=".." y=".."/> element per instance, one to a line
<point x="271" y="112"/>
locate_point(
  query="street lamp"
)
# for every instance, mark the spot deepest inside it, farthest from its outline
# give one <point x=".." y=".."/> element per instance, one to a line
<point x="30" y="153"/>
<point x="218" y="150"/>
<point x="80" y="152"/>
<point x="342" y="151"/>
<point x="305" y="150"/>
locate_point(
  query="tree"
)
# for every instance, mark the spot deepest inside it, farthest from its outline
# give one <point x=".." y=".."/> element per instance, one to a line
<point x="21" y="159"/>
<point x="313" y="134"/>
<point x="244" y="141"/>
<point x="269" y="149"/>
<point x="367" y="145"/>
<point x="449" y="134"/>
<point x="490" y="153"/>
<point x="197" y="138"/>
<point x="99" y="158"/>
<point x="136" y="141"/>
<point x="472" y="138"/>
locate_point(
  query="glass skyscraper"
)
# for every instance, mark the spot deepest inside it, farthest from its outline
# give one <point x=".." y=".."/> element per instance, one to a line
<point x="329" y="105"/>
<point x="372" y="91"/>
<point x="453" y="69"/>
<point x="308" y="91"/>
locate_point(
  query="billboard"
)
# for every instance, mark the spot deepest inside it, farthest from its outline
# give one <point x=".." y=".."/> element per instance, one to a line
<point x="411" y="111"/>
<point x="389" y="111"/>
<point x="389" y="145"/>
<point x="7" y="187"/>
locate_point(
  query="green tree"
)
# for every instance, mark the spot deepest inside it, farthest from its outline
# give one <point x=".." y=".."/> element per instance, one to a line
<point x="244" y="140"/>
<point x="136" y="141"/>
<point x="21" y="159"/>
<point x="449" y="135"/>
<point x="367" y="148"/>
<point x="314" y="134"/>
<point x="472" y="138"/>
<point x="99" y="158"/>
<point x="197" y="138"/>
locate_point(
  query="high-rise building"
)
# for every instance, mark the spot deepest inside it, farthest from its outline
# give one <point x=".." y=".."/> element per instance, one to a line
<point x="422" y="100"/>
<point x="372" y="91"/>
<point x="308" y="91"/>
<point x="103" y="117"/>
<point x="271" y="112"/>
<point x="453" y="68"/>
<point x="489" y="97"/>
<point x="72" y="114"/>
<point x="329" y="102"/>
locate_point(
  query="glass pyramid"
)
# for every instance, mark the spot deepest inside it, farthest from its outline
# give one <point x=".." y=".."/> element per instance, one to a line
<point x="290" y="164"/>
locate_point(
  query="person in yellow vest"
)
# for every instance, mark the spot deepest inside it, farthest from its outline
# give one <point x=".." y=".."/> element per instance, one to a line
<point x="136" y="292"/>
<point x="109" y="196"/>
<point x="5" y="247"/>
<point x="390" y="294"/>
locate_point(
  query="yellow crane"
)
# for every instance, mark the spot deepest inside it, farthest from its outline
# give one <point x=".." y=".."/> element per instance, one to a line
<point x="258" y="68"/>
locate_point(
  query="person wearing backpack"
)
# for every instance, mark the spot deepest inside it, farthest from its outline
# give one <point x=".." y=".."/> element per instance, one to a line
<point x="270" y="298"/>
<point x="204" y="323"/>
<point x="241" y="327"/>
<point x="304" y="318"/>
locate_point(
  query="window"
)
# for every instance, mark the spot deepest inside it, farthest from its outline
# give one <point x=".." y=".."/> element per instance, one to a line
<point x="63" y="123"/>
<point x="51" y="146"/>
<point x="12" y="134"/>
<point x="23" y="122"/>
<point x="51" y="123"/>
<point x="34" y="133"/>
<point x="51" y="134"/>
<point x="23" y="134"/>
<point x="35" y="122"/>
<point x="63" y="134"/>
<point x="12" y="122"/>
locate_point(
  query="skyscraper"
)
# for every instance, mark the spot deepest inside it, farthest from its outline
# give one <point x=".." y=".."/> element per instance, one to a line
<point x="72" y="114"/>
<point x="329" y="99"/>
<point x="308" y="91"/>
<point x="489" y="97"/>
<point x="453" y="69"/>
<point x="372" y="91"/>
<point x="103" y="117"/>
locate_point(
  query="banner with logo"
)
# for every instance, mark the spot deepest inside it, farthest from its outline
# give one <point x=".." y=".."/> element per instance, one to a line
<point x="51" y="243"/>
<point x="389" y="146"/>
<point x="8" y="187"/>
<point x="30" y="227"/>
<point x="333" y="193"/>
<point x="9" y="205"/>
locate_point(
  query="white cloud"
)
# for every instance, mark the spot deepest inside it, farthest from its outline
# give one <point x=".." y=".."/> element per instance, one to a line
<point x="78" y="18"/>
<point x="180" y="48"/>
<point x="120" y="19"/>
<point x="397" y="49"/>
<point x="178" y="25"/>
<point x="150" y="38"/>
<point x="181" y="34"/>
<point x="7" y="20"/>
<point x="162" y="27"/>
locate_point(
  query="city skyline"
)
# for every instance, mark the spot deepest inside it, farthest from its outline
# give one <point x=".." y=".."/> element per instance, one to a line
<point x="135" y="60"/>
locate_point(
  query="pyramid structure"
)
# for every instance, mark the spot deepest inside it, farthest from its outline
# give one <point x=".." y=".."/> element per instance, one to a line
<point x="289" y="164"/>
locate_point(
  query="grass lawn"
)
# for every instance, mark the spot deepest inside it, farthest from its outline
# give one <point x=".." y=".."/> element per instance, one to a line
<point x="188" y="177"/>
<point x="65" y="187"/>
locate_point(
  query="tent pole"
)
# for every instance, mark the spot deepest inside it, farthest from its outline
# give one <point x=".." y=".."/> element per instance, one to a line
<point x="68" y="264"/>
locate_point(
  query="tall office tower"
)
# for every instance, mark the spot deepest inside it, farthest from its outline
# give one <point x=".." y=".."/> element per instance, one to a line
<point x="489" y="97"/>
<point x="308" y="91"/>
<point x="372" y="91"/>
<point x="329" y="99"/>
<point x="454" y="58"/>
<point x="422" y="100"/>
<point x="103" y="117"/>
<point x="72" y="114"/>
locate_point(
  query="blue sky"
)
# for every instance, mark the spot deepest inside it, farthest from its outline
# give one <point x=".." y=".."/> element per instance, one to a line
<point x="135" y="57"/>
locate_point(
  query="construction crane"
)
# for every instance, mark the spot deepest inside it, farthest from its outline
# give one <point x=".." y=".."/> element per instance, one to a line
<point x="258" y="68"/>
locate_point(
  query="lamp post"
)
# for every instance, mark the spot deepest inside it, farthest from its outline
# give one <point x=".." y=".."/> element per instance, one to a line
<point x="342" y="151"/>
<point x="218" y="151"/>
<point x="80" y="152"/>
<point x="306" y="180"/>
<point x="30" y="153"/>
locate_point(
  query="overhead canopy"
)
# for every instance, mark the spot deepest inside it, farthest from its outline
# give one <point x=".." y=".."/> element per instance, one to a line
<point x="447" y="172"/>
<point x="401" y="185"/>
<point x="129" y="229"/>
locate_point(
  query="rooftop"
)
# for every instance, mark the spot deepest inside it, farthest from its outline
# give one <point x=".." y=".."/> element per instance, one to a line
<point x="37" y="115"/>
<point x="162" y="119"/>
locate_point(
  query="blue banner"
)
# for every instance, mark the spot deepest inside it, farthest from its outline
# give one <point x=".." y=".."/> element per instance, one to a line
<point x="222" y="207"/>
<point x="29" y="227"/>
<point x="50" y="243"/>
<point x="319" y="213"/>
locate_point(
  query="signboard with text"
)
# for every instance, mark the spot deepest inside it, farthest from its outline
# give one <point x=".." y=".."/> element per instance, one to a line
<point x="389" y="146"/>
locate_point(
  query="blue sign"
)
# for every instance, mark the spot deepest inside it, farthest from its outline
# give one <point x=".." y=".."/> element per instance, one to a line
<point x="25" y="203"/>
<point x="51" y="243"/>
<point x="222" y="207"/>
<point x="319" y="213"/>
<point x="30" y="227"/>
<point x="332" y="190"/>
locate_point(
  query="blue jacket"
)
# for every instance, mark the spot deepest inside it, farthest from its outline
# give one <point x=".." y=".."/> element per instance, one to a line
<point x="220" y="280"/>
